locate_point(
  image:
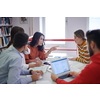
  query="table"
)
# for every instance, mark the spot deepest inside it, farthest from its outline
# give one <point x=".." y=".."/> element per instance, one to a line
<point x="74" y="66"/>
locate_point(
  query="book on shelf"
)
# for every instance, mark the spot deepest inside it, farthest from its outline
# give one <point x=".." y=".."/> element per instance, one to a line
<point x="6" y="40"/>
<point x="6" y="20"/>
<point x="5" y="30"/>
<point x="2" y="20"/>
<point x="8" y="30"/>
<point x="0" y="42"/>
<point x="10" y="20"/>
<point x="0" y="33"/>
<point x="4" y="43"/>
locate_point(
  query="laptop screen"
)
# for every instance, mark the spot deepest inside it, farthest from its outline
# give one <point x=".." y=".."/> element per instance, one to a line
<point x="60" y="66"/>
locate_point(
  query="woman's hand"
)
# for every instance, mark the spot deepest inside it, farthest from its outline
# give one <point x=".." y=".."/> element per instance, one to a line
<point x="53" y="48"/>
<point x="38" y="62"/>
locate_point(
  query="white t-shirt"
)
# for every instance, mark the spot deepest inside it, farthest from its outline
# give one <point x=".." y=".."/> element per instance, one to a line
<point x="24" y="65"/>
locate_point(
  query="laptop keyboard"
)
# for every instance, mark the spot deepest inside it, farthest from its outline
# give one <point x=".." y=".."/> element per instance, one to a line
<point x="64" y="76"/>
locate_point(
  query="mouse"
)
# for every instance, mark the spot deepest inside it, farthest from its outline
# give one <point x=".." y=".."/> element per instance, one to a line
<point x="46" y="63"/>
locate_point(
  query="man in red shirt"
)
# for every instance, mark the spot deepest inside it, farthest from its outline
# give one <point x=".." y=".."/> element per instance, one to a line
<point x="91" y="73"/>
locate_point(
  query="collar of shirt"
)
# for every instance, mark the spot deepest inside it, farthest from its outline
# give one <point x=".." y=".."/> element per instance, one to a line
<point x="13" y="48"/>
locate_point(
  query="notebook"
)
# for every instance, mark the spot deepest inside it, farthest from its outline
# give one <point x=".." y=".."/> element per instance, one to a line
<point x="61" y="68"/>
<point x="43" y="68"/>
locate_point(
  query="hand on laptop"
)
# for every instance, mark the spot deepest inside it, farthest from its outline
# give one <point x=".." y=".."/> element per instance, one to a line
<point x="54" y="77"/>
<point x="74" y="73"/>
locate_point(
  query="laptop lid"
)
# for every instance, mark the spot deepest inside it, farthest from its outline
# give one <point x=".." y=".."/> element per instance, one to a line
<point x="60" y="67"/>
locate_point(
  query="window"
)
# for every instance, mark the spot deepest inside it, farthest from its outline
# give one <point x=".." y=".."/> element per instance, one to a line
<point x="55" y="29"/>
<point x="94" y="23"/>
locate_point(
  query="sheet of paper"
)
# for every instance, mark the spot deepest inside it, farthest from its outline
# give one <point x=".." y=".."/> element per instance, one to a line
<point x="43" y="68"/>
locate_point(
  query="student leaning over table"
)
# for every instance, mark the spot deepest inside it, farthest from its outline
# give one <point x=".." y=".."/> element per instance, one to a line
<point x="11" y="63"/>
<point x="36" y="47"/>
<point x="91" y="73"/>
<point x="82" y="47"/>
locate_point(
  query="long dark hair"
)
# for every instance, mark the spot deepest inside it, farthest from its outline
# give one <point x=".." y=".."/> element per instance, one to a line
<point x="35" y="40"/>
<point x="80" y="33"/>
<point x="14" y="30"/>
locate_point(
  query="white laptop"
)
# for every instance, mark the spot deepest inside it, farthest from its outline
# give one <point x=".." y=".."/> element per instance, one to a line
<point x="61" y="68"/>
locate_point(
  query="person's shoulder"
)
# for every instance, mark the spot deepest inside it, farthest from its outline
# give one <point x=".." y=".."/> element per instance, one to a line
<point x="28" y="46"/>
<point x="84" y="43"/>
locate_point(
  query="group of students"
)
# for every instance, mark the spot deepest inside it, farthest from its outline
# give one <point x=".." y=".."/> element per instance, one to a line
<point x="19" y="55"/>
<point x="17" y="58"/>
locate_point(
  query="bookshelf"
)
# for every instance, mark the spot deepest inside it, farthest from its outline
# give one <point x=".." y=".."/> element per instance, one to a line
<point x="5" y="29"/>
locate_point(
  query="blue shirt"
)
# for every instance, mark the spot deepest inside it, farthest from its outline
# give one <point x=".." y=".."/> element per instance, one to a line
<point x="11" y="67"/>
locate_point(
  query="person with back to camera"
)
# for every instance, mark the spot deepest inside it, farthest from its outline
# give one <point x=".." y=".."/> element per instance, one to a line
<point x="11" y="63"/>
<point x="14" y="31"/>
<point x="91" y="73"/>
<point x="82" y="47"/>
<point x="36" y="47"/>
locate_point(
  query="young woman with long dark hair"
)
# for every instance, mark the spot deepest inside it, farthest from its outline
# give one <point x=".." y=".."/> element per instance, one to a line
<point x="36" y="47"/>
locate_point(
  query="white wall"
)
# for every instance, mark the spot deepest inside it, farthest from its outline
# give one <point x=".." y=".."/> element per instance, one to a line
<point x="31" y="27"/>
<point x="16" y="22"/>
<point x="75" y="23"/>
<point x="72" y="24"/>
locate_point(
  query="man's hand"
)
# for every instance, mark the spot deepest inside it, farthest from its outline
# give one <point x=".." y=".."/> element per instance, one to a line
<point x="39" y="71"/>
<point x="54" y="77"/>
<point x="35" y="76"/>
<point x="74" y="73"/>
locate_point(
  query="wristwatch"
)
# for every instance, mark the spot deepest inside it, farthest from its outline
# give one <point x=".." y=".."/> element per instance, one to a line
<point x="30" y="72"/>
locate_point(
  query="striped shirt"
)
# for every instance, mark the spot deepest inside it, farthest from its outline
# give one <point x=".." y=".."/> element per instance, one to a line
<point x="83" y="52"/>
